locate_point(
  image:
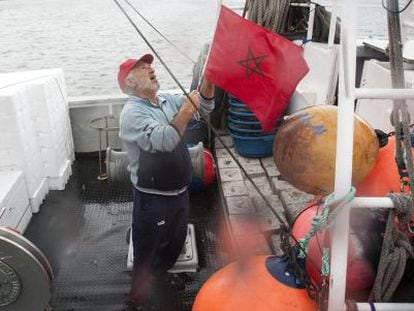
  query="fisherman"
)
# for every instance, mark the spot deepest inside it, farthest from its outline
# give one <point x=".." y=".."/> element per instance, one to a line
<point x="152" y="125"/>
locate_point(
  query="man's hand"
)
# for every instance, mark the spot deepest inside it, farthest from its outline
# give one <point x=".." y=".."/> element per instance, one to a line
<point x="188" y="107"/>
<point x="186" y="112"/>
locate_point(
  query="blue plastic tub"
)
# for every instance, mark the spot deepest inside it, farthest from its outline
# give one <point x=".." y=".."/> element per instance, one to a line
<point x="242" y="121"/>
<point x="253" y="147"/>
<point x="242" y="118"/>
<point x="238" y="125"/>
<point x="241" y="114"/>
<point x="243" y="130"/>
<point x="238" y="105"/>
<point x="240" y="109"/>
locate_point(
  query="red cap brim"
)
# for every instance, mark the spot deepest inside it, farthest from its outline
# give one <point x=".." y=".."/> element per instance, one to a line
<point x="128" y="65"/>
<point x="148" y="58"/>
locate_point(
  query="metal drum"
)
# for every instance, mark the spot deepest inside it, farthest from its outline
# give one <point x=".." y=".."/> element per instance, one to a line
<point x="25" y="274"/>
<point x="116" y="165"/>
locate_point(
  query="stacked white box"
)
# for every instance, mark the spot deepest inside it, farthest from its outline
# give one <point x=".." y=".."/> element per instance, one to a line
<point x="48" y="108"/>
<point x="15" y="209"/>
<point x="50" y="114"/>
<point x="20" y="150"/>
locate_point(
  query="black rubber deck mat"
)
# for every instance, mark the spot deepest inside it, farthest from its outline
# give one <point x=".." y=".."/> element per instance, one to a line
<point x="82" y="231"/>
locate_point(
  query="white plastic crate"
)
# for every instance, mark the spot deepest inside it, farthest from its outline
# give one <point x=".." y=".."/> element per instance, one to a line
<point x="51" y="116"/>
<point x="21" y="149"/>
<point x="44" y="117"/>
<point x="14" y="201"/>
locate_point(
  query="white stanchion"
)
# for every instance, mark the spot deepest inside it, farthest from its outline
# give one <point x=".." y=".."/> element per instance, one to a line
<point x="367" y="93"/>
<point x="344" y="148"/>
<point x="311" y="21"/>
<point x="332" y="25"/>
<point x="386" y="307"/>
<point x="375" y="202"/>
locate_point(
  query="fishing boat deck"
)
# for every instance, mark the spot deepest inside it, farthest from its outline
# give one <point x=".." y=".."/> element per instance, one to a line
<point x="82" y="231"/>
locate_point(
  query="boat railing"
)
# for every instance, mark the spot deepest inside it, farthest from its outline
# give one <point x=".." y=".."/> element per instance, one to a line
<point x="347" y="94"/>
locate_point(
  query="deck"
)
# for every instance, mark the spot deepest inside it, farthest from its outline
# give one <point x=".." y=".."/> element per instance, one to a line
<point x="82" y="231"/>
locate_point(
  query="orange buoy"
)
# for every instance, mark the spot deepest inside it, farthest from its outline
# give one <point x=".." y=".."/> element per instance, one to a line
<point x="384" y="177"/>
<point x="304" y="149"/>
<point x="259" y="283"/>
<point x="365" y="242"/>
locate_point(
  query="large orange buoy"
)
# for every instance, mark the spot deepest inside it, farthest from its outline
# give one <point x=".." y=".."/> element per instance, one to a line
<point x="364" y="246"/>
<point x="304" y="149"/>
<point x="384" y="177"/>
<point x="259" y="283"/>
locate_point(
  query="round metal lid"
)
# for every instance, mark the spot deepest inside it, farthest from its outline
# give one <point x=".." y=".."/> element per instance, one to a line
<point x="21" y="240"/>
<point x="24" y="282"/>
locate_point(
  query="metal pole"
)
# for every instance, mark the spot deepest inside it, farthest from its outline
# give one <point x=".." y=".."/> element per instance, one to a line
<point x="332" y="25"/>
<point x="384" y="94"/>
<point x="99" y="153"/>
<point x="344" y="151"/>
<point x="106" y="131"/>
<point x="311" y="21"/>
<point x="385" y="306"/>
<point x="395" y="47"/>
<point x="375" y="202"/>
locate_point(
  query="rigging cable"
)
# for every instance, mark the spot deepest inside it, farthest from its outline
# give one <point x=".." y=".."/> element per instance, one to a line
<point x="282" y="222"/>
<point x="157" y="31"/>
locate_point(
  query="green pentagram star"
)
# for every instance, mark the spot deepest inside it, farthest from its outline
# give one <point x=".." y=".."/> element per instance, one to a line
<point x="256" y="67"/>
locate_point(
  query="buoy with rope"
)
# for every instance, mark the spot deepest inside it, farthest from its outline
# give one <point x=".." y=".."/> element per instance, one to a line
<point x="364" y="244"/>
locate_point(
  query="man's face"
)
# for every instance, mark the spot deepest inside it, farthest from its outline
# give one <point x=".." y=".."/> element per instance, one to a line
<point x="144" y="78"/>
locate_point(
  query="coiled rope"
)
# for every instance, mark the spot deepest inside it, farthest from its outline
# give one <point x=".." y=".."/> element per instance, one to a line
<point x="268" y="13"/>
<point x="396" y="249"/>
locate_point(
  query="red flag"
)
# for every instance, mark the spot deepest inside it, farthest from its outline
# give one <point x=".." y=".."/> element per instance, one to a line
<point x="259" y="67"/>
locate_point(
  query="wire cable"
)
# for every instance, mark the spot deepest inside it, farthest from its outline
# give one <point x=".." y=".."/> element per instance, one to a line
<point x="157" y="31"/>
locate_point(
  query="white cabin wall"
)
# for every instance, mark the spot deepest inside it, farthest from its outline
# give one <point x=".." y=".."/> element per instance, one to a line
<point x="85" y="109"/>
<point x="376" y="111"/>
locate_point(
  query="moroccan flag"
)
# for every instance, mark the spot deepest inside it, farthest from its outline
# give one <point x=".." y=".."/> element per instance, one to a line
<point x="259" y="67"/>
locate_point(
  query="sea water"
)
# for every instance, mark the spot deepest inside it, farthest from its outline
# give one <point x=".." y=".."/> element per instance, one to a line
<point x="88" y="39"/>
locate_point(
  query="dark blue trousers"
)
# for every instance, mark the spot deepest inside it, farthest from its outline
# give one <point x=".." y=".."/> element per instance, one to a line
<point x="159" y="229"/>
